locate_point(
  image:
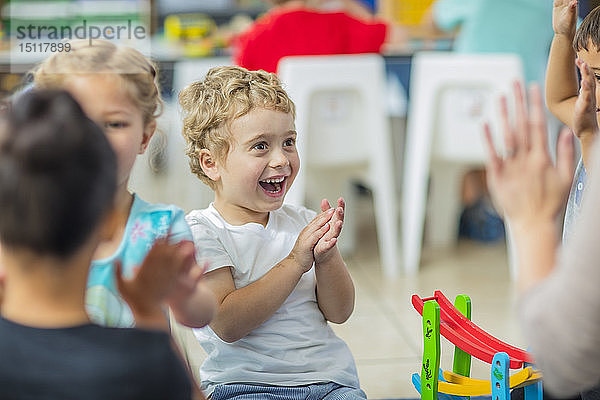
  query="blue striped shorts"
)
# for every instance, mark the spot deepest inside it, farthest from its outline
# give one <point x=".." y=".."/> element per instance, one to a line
<point x="321" y="391"/>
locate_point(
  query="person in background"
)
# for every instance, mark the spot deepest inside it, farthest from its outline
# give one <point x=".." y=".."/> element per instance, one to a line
<point x="356" y="8"/>
<point x="294" y="27"/>
<point x="490" y="26"/>
<point x="117" y="87"/>
<point x="275" y="268"/>
<point x="58" y="178"/>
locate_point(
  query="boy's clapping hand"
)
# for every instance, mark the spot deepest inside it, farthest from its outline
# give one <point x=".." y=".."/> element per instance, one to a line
<point x="329" y="240"/>
<point x="303" y="251"/>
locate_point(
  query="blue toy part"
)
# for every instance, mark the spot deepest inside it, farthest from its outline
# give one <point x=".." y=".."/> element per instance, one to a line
<point x="499" y="377"/>
<point x="534" y="391"/>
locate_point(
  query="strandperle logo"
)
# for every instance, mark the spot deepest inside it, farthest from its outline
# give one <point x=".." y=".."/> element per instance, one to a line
<point x="84" y="30"/>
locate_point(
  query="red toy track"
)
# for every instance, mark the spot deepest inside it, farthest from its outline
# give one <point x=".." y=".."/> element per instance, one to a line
<point x="463" y="333"/>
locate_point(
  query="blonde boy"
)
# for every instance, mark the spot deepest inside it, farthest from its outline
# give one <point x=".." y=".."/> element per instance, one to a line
<point x="275" y="269"/>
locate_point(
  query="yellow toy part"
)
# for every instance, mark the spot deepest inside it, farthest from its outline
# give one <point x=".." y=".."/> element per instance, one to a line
<point x="464" y="386"/>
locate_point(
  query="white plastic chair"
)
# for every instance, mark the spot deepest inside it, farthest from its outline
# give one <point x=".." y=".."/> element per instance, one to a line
<point x="451" y="97"/>
<point x="343" y="134"/>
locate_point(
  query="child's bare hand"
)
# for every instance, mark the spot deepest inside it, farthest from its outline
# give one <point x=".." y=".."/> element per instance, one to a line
<point x="585" y="121"/>
<point x="186" y="283"/>
<point x="329" y="240"/>
<point x="157" y="278"/>
<point x="302" y="252"/>
<point x="564" y="17"/>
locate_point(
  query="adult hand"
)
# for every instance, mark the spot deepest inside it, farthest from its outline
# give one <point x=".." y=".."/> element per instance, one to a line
<point x="525" y="184"/>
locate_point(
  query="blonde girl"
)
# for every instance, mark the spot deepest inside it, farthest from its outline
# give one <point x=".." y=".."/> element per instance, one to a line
<point x="117" y="88"/>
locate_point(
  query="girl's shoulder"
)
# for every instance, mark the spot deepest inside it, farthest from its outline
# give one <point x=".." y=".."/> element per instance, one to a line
<point x="162" y="219"/>
<point x="141" y="206"/>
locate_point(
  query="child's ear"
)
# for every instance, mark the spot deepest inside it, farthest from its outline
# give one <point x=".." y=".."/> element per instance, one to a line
<point x="209" y="164"/>
<point x="149" y="130"/>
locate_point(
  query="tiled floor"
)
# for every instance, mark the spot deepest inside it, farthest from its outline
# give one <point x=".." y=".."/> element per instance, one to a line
<point x="384" y="333"/>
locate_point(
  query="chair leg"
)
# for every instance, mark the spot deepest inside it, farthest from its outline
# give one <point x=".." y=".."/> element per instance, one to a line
<point x="414" y="196"/>
<point x="444" y="205"/>
<point x="347" y="242"/>
<point x="386" y="216"/>
<point x="513" y="266"/>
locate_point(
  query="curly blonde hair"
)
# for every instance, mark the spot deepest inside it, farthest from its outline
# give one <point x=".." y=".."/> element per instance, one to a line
<point x="210" y="106"/>
<point x="138" y="74"/>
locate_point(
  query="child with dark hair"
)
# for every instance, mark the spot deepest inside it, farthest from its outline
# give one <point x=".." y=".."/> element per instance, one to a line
<point x="58" y="178"/>
<point x="562" y="87"/>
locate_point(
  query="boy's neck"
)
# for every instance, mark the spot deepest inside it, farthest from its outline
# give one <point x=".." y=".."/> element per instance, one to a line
<point x="236" y="215"/>
<point x="45" y="292"/>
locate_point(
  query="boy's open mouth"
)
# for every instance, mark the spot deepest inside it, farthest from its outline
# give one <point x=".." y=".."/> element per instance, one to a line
<point x="273" y="185"/>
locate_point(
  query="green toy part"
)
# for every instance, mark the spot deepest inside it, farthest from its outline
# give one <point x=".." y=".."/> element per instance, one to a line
<point x="462" y="359"/>
<point x="431" y="350"/>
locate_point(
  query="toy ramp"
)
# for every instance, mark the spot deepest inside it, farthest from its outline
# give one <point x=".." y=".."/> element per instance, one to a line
<point x="467" y="336"/>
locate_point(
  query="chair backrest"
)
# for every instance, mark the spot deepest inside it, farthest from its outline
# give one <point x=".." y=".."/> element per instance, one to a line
<point x="453" y="95"/>
<point x="336" y="126"/>
<point x="339" y="109"/>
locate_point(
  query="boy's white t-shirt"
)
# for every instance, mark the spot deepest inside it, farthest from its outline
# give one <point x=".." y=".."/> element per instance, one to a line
<point x="296" y="346"/>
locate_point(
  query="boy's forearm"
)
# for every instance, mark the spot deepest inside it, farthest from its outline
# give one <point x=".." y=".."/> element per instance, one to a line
<point x="245" y="309"/>
<point x="335" y="290"/>
<point x="561" y="79"/>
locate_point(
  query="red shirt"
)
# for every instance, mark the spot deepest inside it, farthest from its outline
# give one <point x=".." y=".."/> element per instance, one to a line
<point x="283" y="33"/>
